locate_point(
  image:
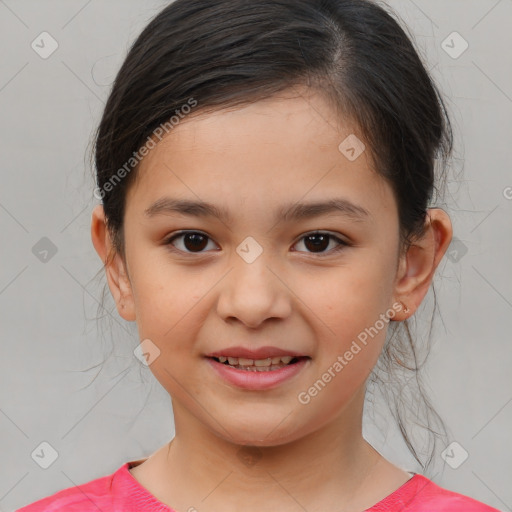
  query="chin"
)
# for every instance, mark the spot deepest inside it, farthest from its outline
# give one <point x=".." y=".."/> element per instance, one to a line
<point x="261" y="434"/>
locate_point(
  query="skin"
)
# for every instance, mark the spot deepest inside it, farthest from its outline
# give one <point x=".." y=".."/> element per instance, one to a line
<point x="252" y="160"/>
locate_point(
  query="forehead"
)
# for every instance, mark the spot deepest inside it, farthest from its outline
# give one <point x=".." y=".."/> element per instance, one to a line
<point x="281" y="149"/>
<point x="289" y="119"/>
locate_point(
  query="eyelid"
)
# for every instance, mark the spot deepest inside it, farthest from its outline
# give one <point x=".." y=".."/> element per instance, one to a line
<point x="341" y="242"/>
<point x="332" y="234"/>
<point x="176" y="234"/>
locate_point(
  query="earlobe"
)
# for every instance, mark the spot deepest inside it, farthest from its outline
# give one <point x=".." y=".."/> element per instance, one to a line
<point x="117" y="277"/>
<point x="417" y="266"/>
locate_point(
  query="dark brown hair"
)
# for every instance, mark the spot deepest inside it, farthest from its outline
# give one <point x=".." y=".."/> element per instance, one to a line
<point x="225" y="53"/>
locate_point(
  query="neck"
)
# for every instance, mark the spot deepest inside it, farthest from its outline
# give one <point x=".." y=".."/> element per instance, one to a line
<point x="326" y="469"/>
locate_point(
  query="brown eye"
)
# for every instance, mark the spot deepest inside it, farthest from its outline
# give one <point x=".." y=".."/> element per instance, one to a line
<point x="319" y="242"/>
<point x="196" y="242"/>
<point x="191" y="241"/>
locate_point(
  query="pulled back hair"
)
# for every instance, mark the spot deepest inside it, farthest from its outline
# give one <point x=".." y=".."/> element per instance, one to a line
<point x="228" y="53"/>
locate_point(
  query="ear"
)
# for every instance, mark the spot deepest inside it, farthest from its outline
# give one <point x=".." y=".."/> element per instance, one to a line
<point x="417" y="266"/>
<point x="117" y="276"/>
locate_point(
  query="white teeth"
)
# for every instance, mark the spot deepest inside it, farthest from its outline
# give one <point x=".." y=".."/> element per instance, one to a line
<point x="259" y="368"/>
<point x="270" y="363"/>
<point x="263" y="362"/>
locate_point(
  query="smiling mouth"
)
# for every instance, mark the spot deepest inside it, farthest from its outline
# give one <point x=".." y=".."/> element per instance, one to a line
<point x="259" y="365"/>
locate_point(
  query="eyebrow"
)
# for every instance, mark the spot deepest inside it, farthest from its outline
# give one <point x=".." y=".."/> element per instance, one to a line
<point x="296" y="211"/>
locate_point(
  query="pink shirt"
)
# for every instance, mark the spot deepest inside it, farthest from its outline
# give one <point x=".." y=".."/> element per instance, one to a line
<point x="120" y="492"/>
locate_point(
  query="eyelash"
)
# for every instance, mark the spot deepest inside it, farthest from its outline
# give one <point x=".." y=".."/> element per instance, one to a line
<point x="341" y="243"/>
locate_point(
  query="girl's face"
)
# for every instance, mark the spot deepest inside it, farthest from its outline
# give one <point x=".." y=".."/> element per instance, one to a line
<point x="255" y="277"/>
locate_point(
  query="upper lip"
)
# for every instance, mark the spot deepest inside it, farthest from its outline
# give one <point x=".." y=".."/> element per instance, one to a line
<point x="254" y="353"/>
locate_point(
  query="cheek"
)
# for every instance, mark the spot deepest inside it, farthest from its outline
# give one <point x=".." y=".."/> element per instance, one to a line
<point x="347" y="307"/>
<point x="171" y="316"/>
<point x="166" y="300"/>
<point x="352" y="296"/>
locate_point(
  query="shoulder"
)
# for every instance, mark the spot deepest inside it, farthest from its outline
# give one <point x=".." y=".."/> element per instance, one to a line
<point x="422" y="495"/>
<point x="98" y="494"/>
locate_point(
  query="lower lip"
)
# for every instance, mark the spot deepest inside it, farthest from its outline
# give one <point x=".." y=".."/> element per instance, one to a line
<point x="255" y="380"/>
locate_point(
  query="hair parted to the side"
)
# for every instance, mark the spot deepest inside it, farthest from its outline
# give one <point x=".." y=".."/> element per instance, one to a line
<point x="227" y="53"/>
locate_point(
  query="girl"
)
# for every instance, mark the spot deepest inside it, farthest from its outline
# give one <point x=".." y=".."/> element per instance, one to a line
<point x="265" y="171"/>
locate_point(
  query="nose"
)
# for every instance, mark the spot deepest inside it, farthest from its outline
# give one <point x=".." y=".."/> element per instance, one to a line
<point x="254" y="292"/>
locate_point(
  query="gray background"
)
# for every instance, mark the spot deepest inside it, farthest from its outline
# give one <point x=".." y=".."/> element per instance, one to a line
<point x="97" y="412"/>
